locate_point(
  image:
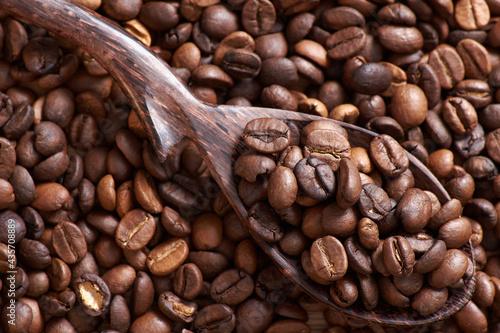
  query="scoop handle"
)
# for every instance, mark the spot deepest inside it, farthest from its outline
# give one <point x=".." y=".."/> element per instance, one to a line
<point x="146" y="79"/>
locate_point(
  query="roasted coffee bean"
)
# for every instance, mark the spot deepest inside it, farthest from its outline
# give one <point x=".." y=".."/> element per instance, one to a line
<point x="476" y="59"/>
<point x="41" y="55"/>
<point x="391" y="294"/>
<point x="429" y="299"/>
<point x="282" y="189"/>
<point x="327" y="142"/>
<point x="241" y="64"/>
<point x="409" y="105"/>
<point x="280" y="71"/>
<point x="358" y="257"/>
<point x="167" y="257"/>
<point x="258" y="18"/>
<point x="369" y="291"/>
<point x="374" y="202"/>
<point x="135" y="230"/>
<point x="337" y="221"/>
<point x="349" y="184"/>
<point x="174" y="223"/>
<point x="92" y="293"/>
<point x="315" y="178"/>
<point x="452" y="268"/>
<point x="188" y="281"/>
<point x="400" y="39"/>
<point x="386" y="125"/>
<point x="460" y="115"/>
<point x="344" y="291"/>
<point x="215" y="318"/>
<point x="264" y="222"/>
<point x="119" y="279"/>
<point x="477" y="92"/>
<point x="176" y="308"/>
<point x="471" y="15"/>
<point x="414" y="210"/>
<point x="399" y="257"/>
<point x="346" y="43"/>
<point x="231" y="287"/>
<point x="19" y="123"/>
<point x="34" y="254"/>
<point x="447" y="65"/>
<point x="8" y="161"/>
<point x="455" y="233"/>
<point x="329" y="258"/>
<point x="254" y="315"/>
<point x="143" y="294"/>
<point x="388" y="155"/>
<point x="69" y="242"/>
<point x="58" y="303"/>
<point x="267" y="135"/>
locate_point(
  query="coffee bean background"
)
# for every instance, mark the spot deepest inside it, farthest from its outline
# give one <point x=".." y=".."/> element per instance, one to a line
<point x="109" y="240"/>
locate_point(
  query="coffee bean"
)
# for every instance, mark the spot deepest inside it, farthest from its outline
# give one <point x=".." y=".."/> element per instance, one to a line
<point x="329" y="258"/>
<point x="450" y="271"/>
<point x="8" y="160"/>
<point x="315" y="178"/>
<point x="267" y="135"/>
<point x="215" y="317"/>
<point x="231" y="287"/>
<point x="391" y="294"/>
<point x="176" y="308"/>
<point x="346" y="43"/>
<point x="358" y="257"/>
<point x="471" y="15"/>
<point x="388" y="155"/>
<point x="414" y="210"/>
<point x="135" y="230"/>
<point x="207" y="231"/>
<point x="251" y="309"/>
<point x="455" y="233"/>
<point x="349" y="184"/>
<point x="342" y="17"/>
<point x="409" y="106"/>
<point x="92" y="293"/>
<point x="69" y="242"/>
<point x="167" y="257"/>
<point x="241" y="64"/>
<point x="399" y="257"/>
<point x="280" y="71"/>
<point x="258" y="18"/>
<point x="374" y="202"/>
<point x="282" y="188"/>
<point x="264" y="222"/>
<point x="447" y="65"/>
<point x="120" y="279"/>
<point x="327" y="142"/>
<point x="400" y="39"/>
<point x="371" y="78"/>
<point x="143" y="294"/>
<point x="58" y="303"/>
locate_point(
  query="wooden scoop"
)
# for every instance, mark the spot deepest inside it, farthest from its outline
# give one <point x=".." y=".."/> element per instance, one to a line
<point x="169" y="112"/>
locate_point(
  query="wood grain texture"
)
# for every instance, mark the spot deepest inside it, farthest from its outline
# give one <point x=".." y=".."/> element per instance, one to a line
<point x="169" y="112"/>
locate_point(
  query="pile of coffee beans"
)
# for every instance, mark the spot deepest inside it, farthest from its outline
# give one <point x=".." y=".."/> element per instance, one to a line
<point x="102" y="237"/>
<point x="333" y="215"/>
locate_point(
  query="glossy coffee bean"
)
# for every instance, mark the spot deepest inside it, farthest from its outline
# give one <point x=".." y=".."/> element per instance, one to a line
<point x="315" y="178"/>
<point x="135" y="230"/>
<point x="267" y="135"/>
<point x="231" y="287"/>
<point x="264" y="222"/>
<point x="176" y="308"/>
<point x="217" y="317"/>
<point x="399" y="257"/>
<point x="388" y="155"/>
<point x="329" y="258"/>
<point x="92" y="293"/>
<point x="167" y="257"/>
<point x="450" y="271"/>
<point x="69" y="242"/>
